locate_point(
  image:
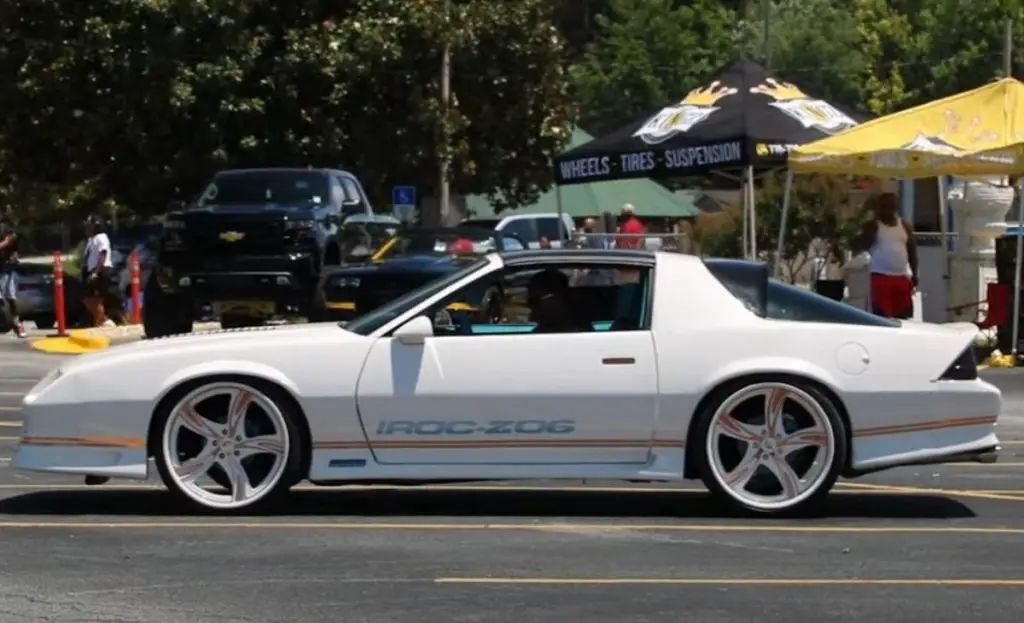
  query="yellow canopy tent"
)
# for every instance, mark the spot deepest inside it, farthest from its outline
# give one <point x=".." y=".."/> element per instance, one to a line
<point x="979" y="132"/>
<point x="972" y="134"/>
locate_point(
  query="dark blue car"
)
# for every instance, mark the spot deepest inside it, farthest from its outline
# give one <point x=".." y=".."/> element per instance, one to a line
<point x="411" y="259"/>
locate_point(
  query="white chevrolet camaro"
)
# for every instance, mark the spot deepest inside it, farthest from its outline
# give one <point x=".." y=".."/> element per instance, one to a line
<point x="673" y="368"/>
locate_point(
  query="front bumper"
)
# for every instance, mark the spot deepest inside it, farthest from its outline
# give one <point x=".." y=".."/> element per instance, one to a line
<point x="276" y="284"/>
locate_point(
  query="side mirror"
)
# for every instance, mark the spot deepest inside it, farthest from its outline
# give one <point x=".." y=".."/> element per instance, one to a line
<point x="415" y="332"/>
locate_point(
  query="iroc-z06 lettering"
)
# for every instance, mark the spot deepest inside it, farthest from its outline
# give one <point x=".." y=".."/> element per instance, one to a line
<point x="472" y="427"/>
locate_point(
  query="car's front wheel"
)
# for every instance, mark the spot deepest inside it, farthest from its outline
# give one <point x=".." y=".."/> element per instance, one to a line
<point x="233" y="433"/>
<point x="770" y="447"/>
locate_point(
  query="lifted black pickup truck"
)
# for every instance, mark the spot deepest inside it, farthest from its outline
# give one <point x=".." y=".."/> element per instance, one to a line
<point x="253" y="247"/>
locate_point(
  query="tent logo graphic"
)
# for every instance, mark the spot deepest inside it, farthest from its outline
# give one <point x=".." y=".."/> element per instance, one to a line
<point x="698" y="105"/>
<point x="807" y="111"/>
<point x="932" y="145"/>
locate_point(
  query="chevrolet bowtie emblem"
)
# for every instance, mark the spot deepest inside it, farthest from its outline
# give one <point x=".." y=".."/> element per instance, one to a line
<point x="232" y="236"/>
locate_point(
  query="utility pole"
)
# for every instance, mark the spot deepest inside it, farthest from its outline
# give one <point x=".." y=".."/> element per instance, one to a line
<point x="446" y="95"/>
<point x="1008" y="49"/>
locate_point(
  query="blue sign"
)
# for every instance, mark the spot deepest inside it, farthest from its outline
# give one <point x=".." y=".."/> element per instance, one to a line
<point x="403" y="196"/>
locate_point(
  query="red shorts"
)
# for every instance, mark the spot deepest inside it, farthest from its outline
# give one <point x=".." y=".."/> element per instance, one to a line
<point x="892" y="295"/>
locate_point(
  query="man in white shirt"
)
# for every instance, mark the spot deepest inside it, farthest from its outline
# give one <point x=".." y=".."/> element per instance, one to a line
<point x="97" y="266"/>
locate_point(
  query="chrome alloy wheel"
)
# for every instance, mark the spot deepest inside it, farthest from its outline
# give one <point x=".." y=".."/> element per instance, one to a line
<point x="770" y="446"/>
<point x="232" y="434"/>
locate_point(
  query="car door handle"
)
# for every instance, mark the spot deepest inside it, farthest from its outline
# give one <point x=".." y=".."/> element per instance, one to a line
<point x="618" y="361"/>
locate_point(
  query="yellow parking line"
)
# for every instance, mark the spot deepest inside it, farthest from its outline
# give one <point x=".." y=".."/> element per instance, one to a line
<point x="10" y="409"/>
<point x="12" y="393"/>
<point x="787" y="582"/>
<point x="497" y="527"/>
<point x="996" y="464"/>
<point x="900" y="489"/>
<point x="963" y="493"/>
<point x="11" y="424"/>
<point x="8" y="438"/>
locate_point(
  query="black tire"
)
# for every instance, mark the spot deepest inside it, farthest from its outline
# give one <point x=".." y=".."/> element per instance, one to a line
<point x="318" y="311"/>
<point x="239" y="321"/>
<point x="44" y="323"/>
<point x="164" y="314"/>
<point x="809" y="506"/>
<point x="294" y="463"/>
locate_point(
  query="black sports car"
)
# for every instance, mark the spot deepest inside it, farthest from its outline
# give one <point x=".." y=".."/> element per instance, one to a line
<point x="408" y="260"/>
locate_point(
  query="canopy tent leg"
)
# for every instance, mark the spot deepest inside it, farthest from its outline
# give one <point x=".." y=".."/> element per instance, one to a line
<point x="1015" y="334"/>
<point x="753" y="213"/>
<point x="558" y="207"/>
<point x="746" y="219"/>
<point x="786" y="193"/>
<point x="944" y="234"/>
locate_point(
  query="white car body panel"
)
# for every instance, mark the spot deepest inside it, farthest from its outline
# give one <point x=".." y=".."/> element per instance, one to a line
<point x="630" y="421"/>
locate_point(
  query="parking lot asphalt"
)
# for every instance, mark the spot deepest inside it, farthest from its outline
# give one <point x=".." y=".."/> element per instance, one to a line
<point x="937" y="543"/>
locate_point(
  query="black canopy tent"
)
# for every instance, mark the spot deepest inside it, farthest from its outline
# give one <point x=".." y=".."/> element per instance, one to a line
<point x="741" y="120"/>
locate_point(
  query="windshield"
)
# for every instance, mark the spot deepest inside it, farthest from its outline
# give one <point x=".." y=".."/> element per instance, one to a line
<point x="291" y="188"/>
<point x="365" y="325"/>
<point x="135" y="235"/>
<point x="440" y="243"/>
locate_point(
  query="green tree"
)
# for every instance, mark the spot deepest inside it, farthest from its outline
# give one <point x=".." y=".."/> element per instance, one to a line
<point x="892" y="47"/>
<point x="649" y="53"/>
<point x="821" y="222"/>
<point x="141" y="101"/>
<point x="812" y="43"/>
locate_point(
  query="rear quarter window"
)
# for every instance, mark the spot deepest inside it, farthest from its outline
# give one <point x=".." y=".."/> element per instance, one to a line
<point x="789" y="302"/>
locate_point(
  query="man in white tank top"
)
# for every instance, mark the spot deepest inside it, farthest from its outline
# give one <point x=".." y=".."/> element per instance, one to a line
<point x="890" y="241"/>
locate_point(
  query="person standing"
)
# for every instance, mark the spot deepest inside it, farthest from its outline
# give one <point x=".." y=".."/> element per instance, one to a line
<point x="8" y="274"/>
<point x="593" y="236"/>
<point x="890" y="241"/>
<point x="629" y="224"/>
<point x="98" y="266"/>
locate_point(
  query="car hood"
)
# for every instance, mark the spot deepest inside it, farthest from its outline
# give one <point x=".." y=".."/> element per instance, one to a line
<point x="213" y="342"/>
<point x="254" y="210"/>
<point x="407" y="264"/>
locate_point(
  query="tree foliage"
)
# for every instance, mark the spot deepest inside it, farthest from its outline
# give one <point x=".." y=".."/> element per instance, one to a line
<point x="649" y="53"/>
<point x="142" y="101"/>
<point x="821" y="222"/>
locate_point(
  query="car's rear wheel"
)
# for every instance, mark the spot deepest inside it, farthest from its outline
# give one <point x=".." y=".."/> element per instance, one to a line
<point x="771" y="447"/>
<point x="44" y="323"/>
<point x="239" y="435"/>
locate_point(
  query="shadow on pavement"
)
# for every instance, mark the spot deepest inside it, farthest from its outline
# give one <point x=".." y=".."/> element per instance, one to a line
<point x="489" y="503"/>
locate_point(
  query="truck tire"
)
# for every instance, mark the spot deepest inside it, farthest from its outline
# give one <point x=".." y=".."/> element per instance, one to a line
<point x="164" y="314"/>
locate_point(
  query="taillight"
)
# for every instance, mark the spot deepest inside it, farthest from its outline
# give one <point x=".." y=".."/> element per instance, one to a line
<point x="965" y="368"/>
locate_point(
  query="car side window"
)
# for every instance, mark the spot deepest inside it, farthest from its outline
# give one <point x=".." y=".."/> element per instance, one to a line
<point x="547" y="227"/>
<point x="337" y="192"/>
<point x="510" y="243"/>
<point x="597" y="298"/>
<point x="351" y="189"/>
<point x="522" y="229"/>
